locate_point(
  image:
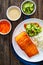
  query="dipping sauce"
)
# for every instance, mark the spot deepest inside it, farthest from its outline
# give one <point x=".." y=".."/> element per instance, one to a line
<point x="4" y="26"/>
<point x="14" y="13"/>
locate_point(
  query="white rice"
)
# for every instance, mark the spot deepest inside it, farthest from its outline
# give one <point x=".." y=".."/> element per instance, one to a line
<point x="38" y="40"/>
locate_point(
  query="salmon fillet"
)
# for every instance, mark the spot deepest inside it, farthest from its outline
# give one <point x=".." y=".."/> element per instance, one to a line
<point x="26" y="44"/>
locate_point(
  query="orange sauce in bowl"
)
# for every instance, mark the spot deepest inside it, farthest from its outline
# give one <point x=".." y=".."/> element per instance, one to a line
<point x="4" y="26"/>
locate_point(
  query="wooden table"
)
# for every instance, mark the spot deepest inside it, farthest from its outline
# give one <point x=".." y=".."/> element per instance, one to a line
<point x="6" y="55"/>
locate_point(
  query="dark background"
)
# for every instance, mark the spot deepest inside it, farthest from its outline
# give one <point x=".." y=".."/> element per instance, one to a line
<point x="6" y="55"/>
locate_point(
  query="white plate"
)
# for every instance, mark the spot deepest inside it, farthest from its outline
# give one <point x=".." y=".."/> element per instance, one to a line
<point x="18" y="50"/>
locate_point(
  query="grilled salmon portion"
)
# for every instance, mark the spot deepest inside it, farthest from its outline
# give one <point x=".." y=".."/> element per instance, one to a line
<point x="26" y="44"/>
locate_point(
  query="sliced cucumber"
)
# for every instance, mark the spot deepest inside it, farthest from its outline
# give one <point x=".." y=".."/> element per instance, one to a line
<point x="28" y="7"/>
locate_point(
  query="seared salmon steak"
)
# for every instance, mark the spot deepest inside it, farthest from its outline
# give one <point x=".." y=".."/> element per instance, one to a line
<point x="26" y="44"/>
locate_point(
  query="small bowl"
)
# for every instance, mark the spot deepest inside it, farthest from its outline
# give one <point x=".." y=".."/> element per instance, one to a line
<point x="9" y="9"/>
<point x="2" y="20"/>
<point x="31" y="2"/>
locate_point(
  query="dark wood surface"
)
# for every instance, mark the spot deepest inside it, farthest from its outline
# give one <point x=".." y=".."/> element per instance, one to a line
<point x="6" y="55"/>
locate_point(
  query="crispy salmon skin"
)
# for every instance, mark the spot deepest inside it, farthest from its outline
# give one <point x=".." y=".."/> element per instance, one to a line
<point x="26" y="44"/>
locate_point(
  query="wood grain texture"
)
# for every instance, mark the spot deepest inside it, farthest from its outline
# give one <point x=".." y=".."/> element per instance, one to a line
<point x="6" y="55"/>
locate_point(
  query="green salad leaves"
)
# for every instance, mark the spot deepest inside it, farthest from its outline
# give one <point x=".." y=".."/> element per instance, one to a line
<point x="33" y="29"/>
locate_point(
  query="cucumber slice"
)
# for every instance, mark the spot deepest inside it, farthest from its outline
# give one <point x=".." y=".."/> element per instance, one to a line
<point x="31" y="4"/>
<point x="31" y="8"/>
